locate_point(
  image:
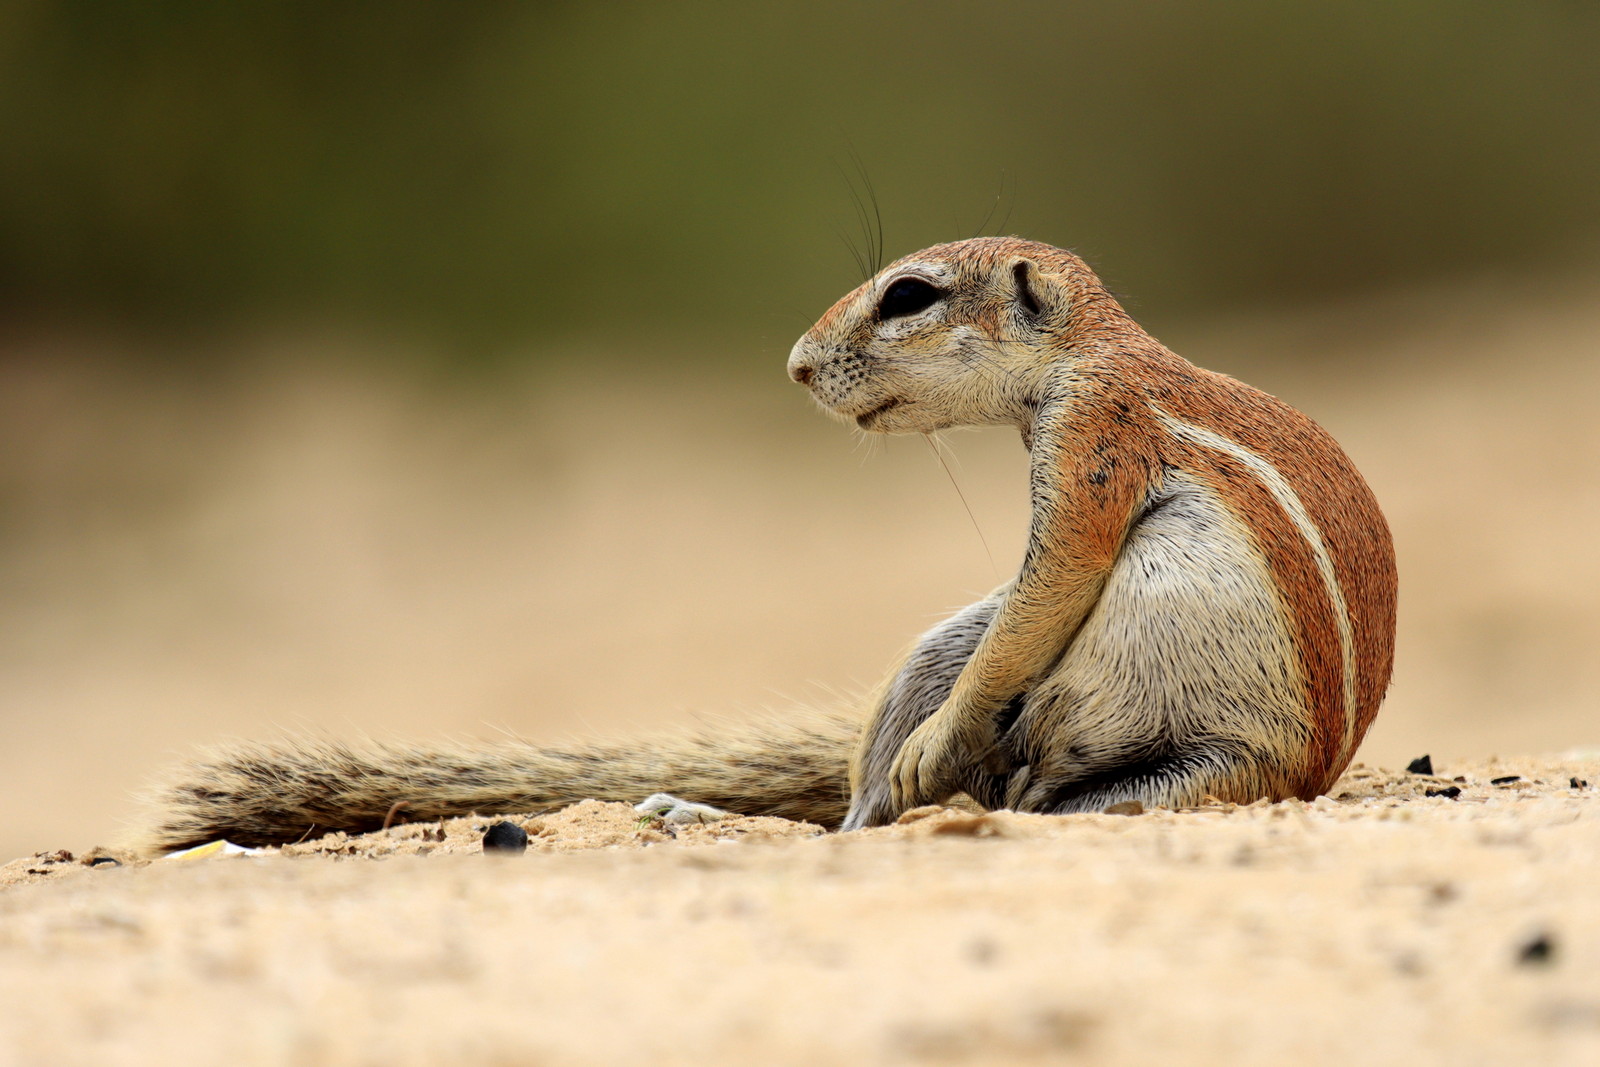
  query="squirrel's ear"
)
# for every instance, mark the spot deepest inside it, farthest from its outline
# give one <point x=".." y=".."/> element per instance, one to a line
<point x="1040" y="298"/>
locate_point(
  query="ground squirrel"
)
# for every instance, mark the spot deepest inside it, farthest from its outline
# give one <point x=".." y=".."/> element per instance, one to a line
<point x="1205" y="606"/>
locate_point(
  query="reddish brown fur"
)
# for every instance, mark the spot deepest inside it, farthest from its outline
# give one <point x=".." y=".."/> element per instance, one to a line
<point x="1095" y="426"/>
<point x="1331" y="489"/>
<point x="1114" y="437"/>
<point x="1306" y="602"/>
<point x="1352" y="526"/>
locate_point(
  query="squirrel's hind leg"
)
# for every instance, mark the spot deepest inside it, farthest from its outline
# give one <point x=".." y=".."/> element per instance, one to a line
<point x="1156" y="779"/>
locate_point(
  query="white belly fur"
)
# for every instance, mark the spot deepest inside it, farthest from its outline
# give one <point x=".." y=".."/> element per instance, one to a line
<point x="1188" y="644"/>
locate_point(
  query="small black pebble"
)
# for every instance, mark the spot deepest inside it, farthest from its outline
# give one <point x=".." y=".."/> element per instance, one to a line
<point x="1459" y="778"/>
<point x="1450" y="792"/>
<point x="1540" y="950"/>
<point x="105" y="861"/>
<point x="1420" y="765"/>
<point x="1578" y="783"/>
<point x="505" y="837"/>
<point x="1507" y="780"/>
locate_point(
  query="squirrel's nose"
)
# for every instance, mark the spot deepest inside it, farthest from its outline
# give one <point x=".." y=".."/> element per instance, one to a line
<point x="802" y="364"/>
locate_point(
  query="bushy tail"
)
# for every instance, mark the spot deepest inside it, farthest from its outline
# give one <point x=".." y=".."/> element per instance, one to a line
<point x="273" y="793"/>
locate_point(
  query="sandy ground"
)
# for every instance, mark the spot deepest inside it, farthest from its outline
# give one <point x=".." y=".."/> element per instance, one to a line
<point x="1377" y="925"/>
<point x="310" y="546"/>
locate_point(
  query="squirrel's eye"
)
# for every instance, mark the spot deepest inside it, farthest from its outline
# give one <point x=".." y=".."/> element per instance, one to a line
<point x="906" y="296"/>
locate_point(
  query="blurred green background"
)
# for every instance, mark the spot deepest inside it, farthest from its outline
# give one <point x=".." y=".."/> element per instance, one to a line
<point x="477" y="176"/>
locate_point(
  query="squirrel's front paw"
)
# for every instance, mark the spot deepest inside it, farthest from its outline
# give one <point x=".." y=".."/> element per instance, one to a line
<point x="928" y="767"/>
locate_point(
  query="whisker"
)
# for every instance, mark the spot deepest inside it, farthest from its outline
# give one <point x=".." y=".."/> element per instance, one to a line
<point x="948" y="451"/>
<point x="933" y="444"/>
<point x="868" y="445"/>
<point x="1010" y="204"/>
<point x="983" y="227"/>
<point x="855" y="253"/>
<point x="998" y="372"/>
<point x="874" y="228"/>
<point x="865" y="257"/>
<point x="1001" y="194"/>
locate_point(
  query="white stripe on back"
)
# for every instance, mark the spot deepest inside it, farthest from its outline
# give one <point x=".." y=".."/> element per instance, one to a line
<point x="1289" y="501"/>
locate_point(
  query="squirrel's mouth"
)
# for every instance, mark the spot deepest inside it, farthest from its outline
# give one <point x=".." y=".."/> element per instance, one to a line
<point x="867" y="418"/>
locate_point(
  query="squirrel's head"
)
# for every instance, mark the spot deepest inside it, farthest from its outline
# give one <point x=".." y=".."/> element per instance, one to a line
<point x="954" y="335"/>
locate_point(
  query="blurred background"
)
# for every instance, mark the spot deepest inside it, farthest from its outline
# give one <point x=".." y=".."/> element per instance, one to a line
<point x="413" y="370"/>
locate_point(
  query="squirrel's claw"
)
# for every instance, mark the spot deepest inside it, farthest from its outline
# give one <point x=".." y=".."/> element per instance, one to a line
<point x="928" y="766"/>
